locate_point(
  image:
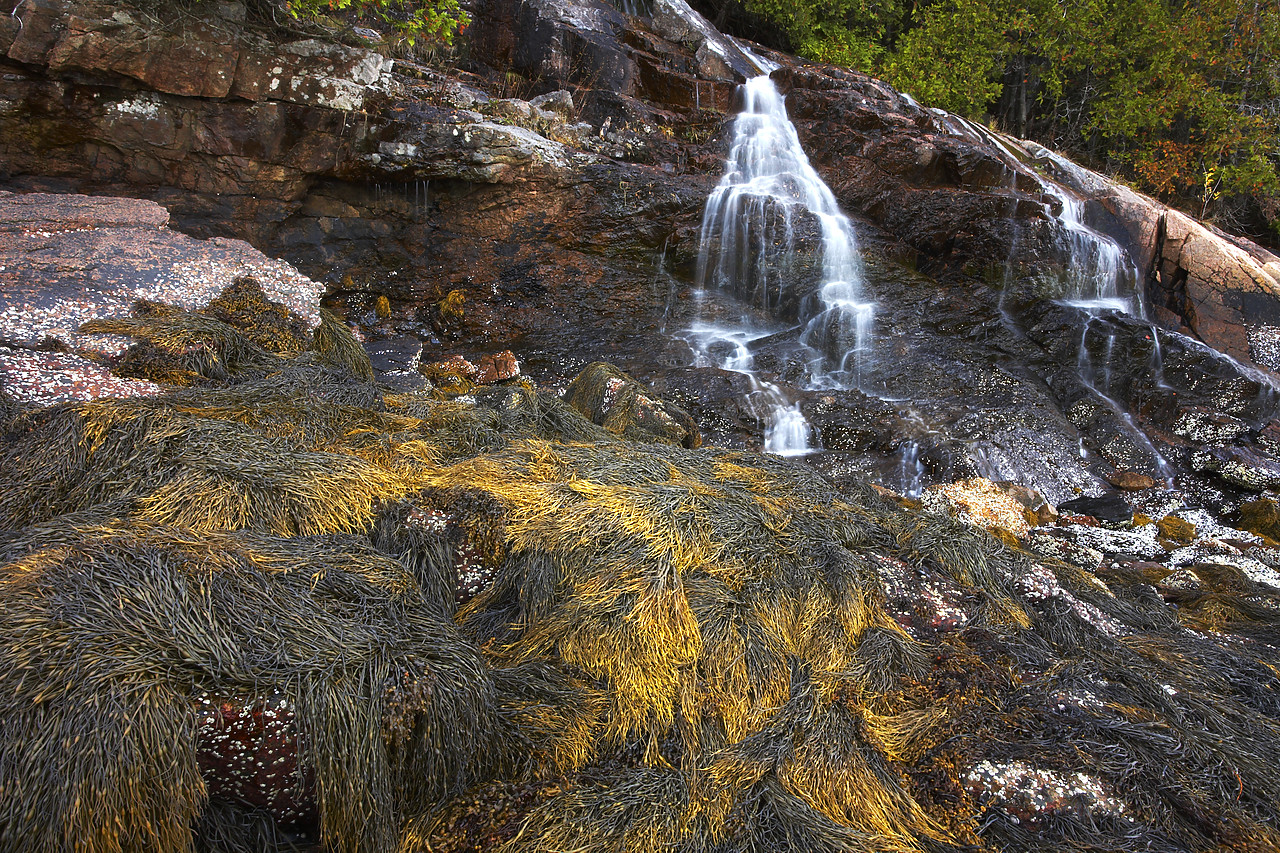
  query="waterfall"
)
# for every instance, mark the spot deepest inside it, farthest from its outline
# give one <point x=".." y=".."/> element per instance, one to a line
<point x="749" y="248"/>
<point x="1098" y="273"/>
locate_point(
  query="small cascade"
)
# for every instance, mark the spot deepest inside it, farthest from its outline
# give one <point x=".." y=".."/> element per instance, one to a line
<point x="1099" y="275"/>
<point x="749" y="248"/>
<point x="993" y="464"/>
<point x="1101" y="279"/>
<point x="1157" y="362"/>
<point x="635" y="8"/>
<point x="1095" y="372"/>
<point x="786" y="430"/>
<point x="910" y="470"/>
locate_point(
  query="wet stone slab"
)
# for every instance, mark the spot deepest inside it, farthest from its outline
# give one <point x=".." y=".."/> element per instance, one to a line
<point x="68" y="259"/>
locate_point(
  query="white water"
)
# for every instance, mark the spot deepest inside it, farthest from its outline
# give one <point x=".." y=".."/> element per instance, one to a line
<point x="786" y="431"/>
<point x="748" y="247"/>
<point x="1100" y="279"/>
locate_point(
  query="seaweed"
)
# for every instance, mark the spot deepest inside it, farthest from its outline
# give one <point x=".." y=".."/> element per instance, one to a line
<point x="495" y="625"/>
<point x="109" y="635"/>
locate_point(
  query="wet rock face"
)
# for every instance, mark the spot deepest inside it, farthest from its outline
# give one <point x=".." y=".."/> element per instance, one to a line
<point x="968" y="200"/>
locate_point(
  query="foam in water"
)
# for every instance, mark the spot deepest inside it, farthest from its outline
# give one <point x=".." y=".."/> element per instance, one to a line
<point x="748" y="247"/>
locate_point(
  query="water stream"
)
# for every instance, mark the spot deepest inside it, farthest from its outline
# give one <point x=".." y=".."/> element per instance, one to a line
<point x="750" y="247"/>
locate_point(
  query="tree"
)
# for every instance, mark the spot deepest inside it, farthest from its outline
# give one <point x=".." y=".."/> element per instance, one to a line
<point x="951" y="59"/>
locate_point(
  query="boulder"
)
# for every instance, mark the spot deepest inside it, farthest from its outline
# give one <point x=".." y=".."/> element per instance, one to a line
<point x="396" y="354"/>
<point x="1109" y="508"/>
<point x="66" y="260"/>
<point x="625" y="407"/>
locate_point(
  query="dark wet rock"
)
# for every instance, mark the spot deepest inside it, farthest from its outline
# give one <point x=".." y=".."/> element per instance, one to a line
<point x="1110" y="508"/>
<point x="850" y="421"/>
<point x="779" y="274"/>
<point x="393" y="354"/>
<point x="625" y="407"/>
<point x="717" y="400"/>
<point x="1240" y="466"/>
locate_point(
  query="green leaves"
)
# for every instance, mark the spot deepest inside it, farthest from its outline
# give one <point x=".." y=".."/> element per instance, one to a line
<point x="413" y="20"/>
<point x="1163" y="92"/>
<point x="953" y="58"/>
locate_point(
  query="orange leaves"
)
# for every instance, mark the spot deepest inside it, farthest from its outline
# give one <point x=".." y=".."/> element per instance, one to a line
<point x="1168" y="167"/>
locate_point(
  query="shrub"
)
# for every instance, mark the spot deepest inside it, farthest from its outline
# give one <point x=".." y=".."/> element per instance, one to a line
<point x="428" y="20"/>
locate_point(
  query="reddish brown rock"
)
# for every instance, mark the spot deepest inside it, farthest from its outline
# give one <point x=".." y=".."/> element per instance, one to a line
<point x="496" y="367"/>
<point x="203" y="56"/>
<point x="248" y="751"/>
<point x="1130" y="480"/>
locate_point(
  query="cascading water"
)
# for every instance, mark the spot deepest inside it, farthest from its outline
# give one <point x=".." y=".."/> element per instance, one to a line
<point x="749" y="248"/>
<point x="1099" y="275"/>
<point x="1100" y="279"/>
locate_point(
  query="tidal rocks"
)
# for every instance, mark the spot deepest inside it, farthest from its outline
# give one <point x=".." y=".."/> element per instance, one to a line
<point x="1240" y="466"/>
<point x="981" y="503"/>
<point x="1110" y="508"/>
<point x="66" y="260"/>
<point x="1139" y="543"/>
<point x="625" y="407"/>
<point x="1057" y="547"/>
<point x="595" y="611"/>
